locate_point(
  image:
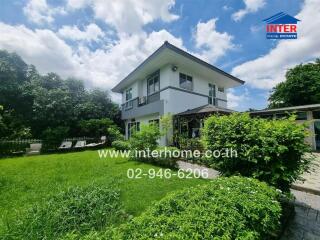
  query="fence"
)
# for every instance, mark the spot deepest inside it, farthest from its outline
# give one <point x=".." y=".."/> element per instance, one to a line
<point x="18" y="147"/>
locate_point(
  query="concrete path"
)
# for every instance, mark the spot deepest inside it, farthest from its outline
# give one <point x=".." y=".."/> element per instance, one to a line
<point x="306" y="223"/>
<point x="192" y="167"/>
<point x="312" y="178"/>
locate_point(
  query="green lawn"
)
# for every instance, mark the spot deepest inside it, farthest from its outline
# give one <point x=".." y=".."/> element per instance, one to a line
<point x="28" y="180"/>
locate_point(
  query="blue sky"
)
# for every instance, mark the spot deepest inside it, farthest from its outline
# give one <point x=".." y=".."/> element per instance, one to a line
<point x="102" y="41"/>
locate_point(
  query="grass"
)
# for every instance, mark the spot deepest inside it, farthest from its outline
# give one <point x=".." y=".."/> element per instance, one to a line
<point x="25" y="181"/>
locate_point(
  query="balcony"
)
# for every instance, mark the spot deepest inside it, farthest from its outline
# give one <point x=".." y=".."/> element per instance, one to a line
<point x="141" y="106"/>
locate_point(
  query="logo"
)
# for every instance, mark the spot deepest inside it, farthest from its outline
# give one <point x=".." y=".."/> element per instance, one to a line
<point x="281" y="26"/>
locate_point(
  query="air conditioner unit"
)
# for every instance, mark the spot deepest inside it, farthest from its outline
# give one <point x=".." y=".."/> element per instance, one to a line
<point x="142" y="100"/>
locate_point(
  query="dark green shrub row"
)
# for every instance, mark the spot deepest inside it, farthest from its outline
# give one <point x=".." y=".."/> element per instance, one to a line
<point x="227" y="208"/>
<point x="77" y="210"/>
<point x="161" y="157"/>
<point x="121" y="145"/>
<point x="269" y="150"/>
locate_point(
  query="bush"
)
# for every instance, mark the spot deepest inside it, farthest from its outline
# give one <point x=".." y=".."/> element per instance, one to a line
<point x="269" y="150"/>
<point x="97" y="128"/>
<point x="146" y="138"/>
<point x="121" y="145"/>
<point x="227" y="208"/>
<point x="52" y="137"/>
<point x="79" y="210"/>
<point x="165" y="158"/>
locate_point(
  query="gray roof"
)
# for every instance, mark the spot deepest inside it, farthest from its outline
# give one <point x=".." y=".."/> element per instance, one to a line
<point x="168" y="45"/>
<point x="208" y="108"/>
<point x="284" y="109"/>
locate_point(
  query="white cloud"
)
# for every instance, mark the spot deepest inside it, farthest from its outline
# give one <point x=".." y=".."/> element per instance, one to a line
<point x="128" y="16"/>
<point x="103" y="68"/>
<point x="91" y="33"/>
<point x="266" y="71"/>
<point x="39" y="12"/>
<point x="41" y="48"/>
<point x="212" y="44"/>
<point x="236" y="100"/>
<point x="251" y="7"/>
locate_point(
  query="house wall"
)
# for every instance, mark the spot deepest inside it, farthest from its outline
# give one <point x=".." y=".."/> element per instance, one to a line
<point x="310" y="127"/>
<point x="173" y="99"/>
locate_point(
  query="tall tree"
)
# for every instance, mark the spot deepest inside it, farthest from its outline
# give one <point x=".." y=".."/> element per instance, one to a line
<point x="302" y="86"/>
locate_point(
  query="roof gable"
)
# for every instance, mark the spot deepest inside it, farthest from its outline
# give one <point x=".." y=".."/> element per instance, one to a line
<point x="167" y="47"/>
<point x="281" y="18"/>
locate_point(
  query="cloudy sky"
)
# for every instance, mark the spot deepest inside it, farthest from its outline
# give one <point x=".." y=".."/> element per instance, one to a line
<point x="101" y="41"/>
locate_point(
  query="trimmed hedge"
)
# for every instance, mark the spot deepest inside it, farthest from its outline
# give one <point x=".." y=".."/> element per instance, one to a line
<point x="226" y="208"/>
<point x="121" y="145"/>
<point x="77" y="210"/>
<point x="269" y="150"/>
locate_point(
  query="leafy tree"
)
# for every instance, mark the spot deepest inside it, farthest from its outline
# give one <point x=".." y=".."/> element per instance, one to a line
<point x="47" y="101"/>
<point x="302" y="86"/>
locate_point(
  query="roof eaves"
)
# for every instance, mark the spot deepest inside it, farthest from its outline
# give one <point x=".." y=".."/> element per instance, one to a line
<point x="198" y="60"/>
<point x="114" y="89"/>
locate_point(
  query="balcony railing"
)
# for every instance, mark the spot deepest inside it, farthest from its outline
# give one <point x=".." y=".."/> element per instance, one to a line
<point x="142" y="105"/>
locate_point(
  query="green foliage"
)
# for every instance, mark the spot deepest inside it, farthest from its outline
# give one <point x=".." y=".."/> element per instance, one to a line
<point x="269" y="150"/>
<point x="166" y="127"/>
<point x="48" y="101"/>
<point x="97" y="128"/>
<point x="226" y="208"/>
<point x="79" y="210"/>
<point x="52" y="138"/>
<point x="121" y="145"/>
<point x="27" y="181"/>
<point x="302" y="86"/>
<point x="146" y="138"/>
<point x="12" y="127"/>
<point x="165" y="159"/>
<point x="114" y="133"/>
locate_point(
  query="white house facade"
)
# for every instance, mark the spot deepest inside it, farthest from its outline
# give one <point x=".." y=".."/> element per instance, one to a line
<point x="171" y="81"/>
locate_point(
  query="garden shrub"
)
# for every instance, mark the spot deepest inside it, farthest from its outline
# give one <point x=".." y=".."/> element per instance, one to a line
<point x="226" y="208"/>
<point x="77" y="210"/>
<point x="96" y="128"/>
<point x="52" y="138"/>
<point x="164" y="158"/>
<point x="146" y="138"/>
<point x="121" y="145"/>
<point x="269" y="150"/>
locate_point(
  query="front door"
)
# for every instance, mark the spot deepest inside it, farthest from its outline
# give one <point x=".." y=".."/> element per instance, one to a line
<point x="317" y="134"/>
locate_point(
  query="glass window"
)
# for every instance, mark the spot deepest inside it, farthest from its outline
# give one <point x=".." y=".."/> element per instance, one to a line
<point x="185" y="81"/>
<point x="281" y="115"/>
<point x="316" y="114"/>
<point x="154" y="83"/>
<point x="132" y="127"/>
<point x="266" y="116"/>
<point x="128" y="94"/>
<point x="154" y="121"/>
<point x="220" y="89"/>
<point x="212" y="94"/>
<point x="301" y="116"/>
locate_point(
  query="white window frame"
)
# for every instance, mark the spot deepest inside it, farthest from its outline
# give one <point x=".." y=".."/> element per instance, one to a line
<point x="187" y="78"/>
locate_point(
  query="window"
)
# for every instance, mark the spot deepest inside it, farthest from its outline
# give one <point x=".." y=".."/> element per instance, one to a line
<point x="212" y="94"/>
<point x="266" y="116"/>
<point x="281" y="115"/>
<point x="153" y="83"/>
<point x="301" y="116"/>
<point x="155" y="122"/>
<point x="129" y="102"/>
<point x="221" y="89"/>
<point x="185" y="81"/>
<point x="316" y="114"/>
<point x="129" y="94"/>
<point x="132" y="127"/>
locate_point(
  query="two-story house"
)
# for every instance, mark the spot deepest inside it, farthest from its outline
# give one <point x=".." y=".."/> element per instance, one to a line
<point x="171" y="81"/>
